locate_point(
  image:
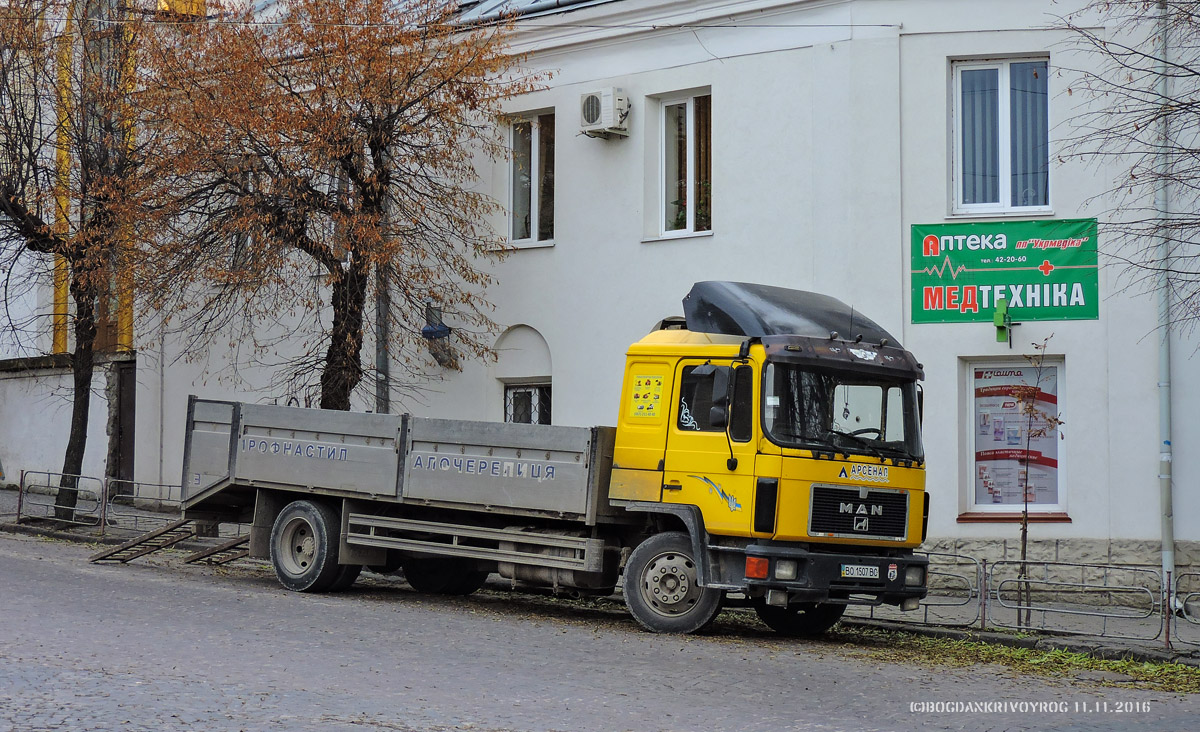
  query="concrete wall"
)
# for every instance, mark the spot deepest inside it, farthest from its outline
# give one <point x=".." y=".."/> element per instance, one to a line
<point x="35" y="419"/>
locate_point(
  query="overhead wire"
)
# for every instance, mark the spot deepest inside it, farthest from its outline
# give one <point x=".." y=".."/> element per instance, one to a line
<point x="500" y="21"/>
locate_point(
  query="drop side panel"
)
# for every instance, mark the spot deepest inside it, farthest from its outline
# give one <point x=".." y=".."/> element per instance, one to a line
<point x="496" y="465"/>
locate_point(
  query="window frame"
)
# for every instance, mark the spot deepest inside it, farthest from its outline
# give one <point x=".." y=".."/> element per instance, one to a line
<point x="534" y="389"/>
<point x="770" y="401"/>
<point x="689" y="102"/>
<point x="971" y="505"/>
<point x="1005" y="205"/>
<point x="687" y="382"/>
<point x="534" y="120"/>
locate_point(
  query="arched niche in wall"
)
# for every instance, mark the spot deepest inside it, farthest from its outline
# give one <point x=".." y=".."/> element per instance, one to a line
<point x="522" y="356"/>
<point x="523" y="375"/>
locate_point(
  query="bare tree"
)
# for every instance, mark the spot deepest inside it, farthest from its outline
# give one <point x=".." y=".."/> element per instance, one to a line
<point x="1039" y="423"/>
<point x="1140" y="115"/>
<point x="318" y="157"/>
<point x="68" y="167"/>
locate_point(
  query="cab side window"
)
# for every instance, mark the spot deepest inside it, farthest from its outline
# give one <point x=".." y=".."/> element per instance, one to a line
<point x="696" y="399"/>
<point x="741" y="422"/>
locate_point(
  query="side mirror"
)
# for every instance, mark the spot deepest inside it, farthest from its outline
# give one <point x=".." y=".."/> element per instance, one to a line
<point x="920" y="405"/>
<point x="718" y="416"/>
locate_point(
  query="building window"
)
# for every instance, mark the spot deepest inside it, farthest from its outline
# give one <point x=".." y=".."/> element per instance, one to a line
<point x="687" y="165"/>
<point x="1015" y="442"/>
<point x="533" y="179"/>
<point x="1002" y="136"/>
<point x="527" y="403"/>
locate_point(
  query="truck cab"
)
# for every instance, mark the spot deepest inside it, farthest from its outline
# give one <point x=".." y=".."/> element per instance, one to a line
<point x="782" y="429"/>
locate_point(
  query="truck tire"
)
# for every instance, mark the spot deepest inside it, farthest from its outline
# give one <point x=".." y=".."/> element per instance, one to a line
<point x="661" y="588"/>
<point x="304" y="547"/>
<point x="443" y="575"/>
<point x="800" y="620"/>
<point x="346" y="577"/>
<point x="390" y="565"/>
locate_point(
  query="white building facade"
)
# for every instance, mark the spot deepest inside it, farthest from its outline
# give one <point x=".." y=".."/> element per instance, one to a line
<point x="822" y="136"/>
<point x="815" y="144"/>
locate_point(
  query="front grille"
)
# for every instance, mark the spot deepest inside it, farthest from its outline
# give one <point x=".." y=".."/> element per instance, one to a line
<point x="842" y="512"/>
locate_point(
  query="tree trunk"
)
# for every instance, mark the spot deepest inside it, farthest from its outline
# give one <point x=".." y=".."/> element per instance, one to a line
<point x="82" y="367"/>
<point x="1024" y="592"/>
<point x="343" y="366"/>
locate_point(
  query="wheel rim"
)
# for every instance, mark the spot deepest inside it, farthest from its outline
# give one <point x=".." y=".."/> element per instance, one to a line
<point x="298" y="546"/>
<point x="669" y="584"/>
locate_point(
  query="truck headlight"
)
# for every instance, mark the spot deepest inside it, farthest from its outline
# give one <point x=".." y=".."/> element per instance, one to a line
<point x="785" y="569"/>
<point x="914" y="576"/>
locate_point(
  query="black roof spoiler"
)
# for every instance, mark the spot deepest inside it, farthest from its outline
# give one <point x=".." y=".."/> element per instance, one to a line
<point x="744" y="309"/>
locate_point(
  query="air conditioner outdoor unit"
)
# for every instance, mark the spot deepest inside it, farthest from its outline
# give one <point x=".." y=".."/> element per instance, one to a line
<point x="603" y="113"/>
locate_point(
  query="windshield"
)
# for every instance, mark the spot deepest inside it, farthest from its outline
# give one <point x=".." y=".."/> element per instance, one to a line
<point x="846" y="412"/>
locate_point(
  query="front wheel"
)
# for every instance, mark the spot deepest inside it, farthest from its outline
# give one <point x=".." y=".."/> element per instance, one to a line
<point x="304" y="548"/>
<point x="800" y="620"/>
<point x="662" y="590"/>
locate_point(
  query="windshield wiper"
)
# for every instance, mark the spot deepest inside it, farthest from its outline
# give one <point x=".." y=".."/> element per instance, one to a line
<point x="855" y="438"/>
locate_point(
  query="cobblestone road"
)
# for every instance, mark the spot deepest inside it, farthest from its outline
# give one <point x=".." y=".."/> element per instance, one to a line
<point x="162" y="646"/>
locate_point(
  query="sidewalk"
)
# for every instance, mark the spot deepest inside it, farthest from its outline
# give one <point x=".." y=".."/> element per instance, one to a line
<point x="955" y="620"/>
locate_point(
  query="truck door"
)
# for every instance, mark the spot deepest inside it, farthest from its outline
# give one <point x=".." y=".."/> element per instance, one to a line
<point x="697" y="467"/>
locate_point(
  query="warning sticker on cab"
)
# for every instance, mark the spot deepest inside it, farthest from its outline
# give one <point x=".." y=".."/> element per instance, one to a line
<point x="646" y="399"/>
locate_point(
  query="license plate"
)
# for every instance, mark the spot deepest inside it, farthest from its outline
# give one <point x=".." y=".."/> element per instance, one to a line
<point x="860" y="571"/>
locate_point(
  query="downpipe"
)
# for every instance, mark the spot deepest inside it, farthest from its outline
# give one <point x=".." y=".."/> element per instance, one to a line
<point x="1162" y="210"/>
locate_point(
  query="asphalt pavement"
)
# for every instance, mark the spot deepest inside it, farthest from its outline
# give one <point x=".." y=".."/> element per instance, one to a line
<point x="158" y="645"/>
<point x="1146" y="641"/>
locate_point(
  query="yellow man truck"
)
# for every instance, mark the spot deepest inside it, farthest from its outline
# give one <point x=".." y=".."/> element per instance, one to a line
<point x="767" y="450"/>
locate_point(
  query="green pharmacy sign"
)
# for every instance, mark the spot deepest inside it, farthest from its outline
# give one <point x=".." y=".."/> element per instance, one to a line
<point x="1045" y="270"/>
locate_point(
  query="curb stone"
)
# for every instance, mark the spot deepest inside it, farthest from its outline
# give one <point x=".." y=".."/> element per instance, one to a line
<point x="108" y="540"/>
<point x="15" y="528"/>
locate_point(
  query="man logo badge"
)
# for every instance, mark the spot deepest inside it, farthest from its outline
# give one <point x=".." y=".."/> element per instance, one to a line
<point x="860" y="523"/>
<point x="893" y="572"/>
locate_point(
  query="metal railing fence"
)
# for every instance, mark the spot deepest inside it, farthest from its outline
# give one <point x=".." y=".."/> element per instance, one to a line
<point x="1186" y="610"/>
<point x="38" y="494"/>
<point x="122" y="499"/>
<point x="1101" y="600"/>
<point x="1115" y="601"/>
<point x="955" y="597"/>
<point x="100" y="502"/>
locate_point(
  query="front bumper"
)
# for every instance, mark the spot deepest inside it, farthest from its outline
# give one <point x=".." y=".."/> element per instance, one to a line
<point x="819" y="575"/>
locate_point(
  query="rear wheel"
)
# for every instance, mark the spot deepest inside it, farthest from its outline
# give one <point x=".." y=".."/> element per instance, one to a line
<point x="346" y="577"/>
<point x="390" y="565"/>
<point x="304" y="547"/>
<point x="443" y="575"/>
<point x="800" y="620"/>
<point x="662" y="590"/>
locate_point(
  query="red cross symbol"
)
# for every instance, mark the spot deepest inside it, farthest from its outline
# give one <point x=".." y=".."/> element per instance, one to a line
<point x="1046" y="267"/>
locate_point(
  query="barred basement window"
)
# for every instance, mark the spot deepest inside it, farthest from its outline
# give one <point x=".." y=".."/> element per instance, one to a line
<point x="527" y="404"/>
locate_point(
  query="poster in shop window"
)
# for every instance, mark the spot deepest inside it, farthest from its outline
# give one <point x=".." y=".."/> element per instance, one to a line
<point x="1006" y="436"/>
